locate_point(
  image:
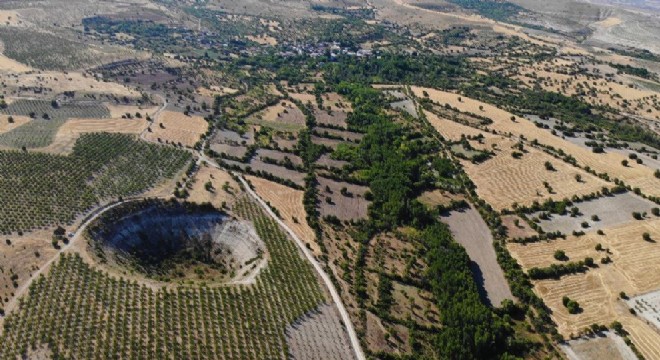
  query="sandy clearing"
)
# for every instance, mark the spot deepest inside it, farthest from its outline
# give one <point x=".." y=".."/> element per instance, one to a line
<point x="636" y="176"/>
<point x="471" y="231"/>
<point x="177" y="128"/>
<point x="289" y="203"/>
<point x="6" y="126"/>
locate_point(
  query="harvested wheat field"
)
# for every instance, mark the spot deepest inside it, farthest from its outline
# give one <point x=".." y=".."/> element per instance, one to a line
<point x="6" y="126"/>
<point x="285" y="112"/>
<point x="452" y="130"/>
<point x="223" y="187"/>
<point x="289" y="204"/>
<point x="610" y="163"/>
<point x="177" y="128"/>
<point x="319" y="334"/>
<point x="119" y="111"/>
<point x="635" y="269"/>
<point x="58" y="82"/>
<point x="471" y="231"/>
<point x="504" y="180"/>
<point x="68" y="134"/>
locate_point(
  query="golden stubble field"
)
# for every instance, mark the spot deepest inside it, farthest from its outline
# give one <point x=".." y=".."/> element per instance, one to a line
<point x="289" y="203"/>
<point x="504" y="180"/>
<point x="177" y="128"/>
<point x="635" y="270"/>
<point x="634" y="175"/>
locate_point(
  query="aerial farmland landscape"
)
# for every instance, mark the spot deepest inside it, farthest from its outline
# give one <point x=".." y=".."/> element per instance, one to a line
<point x="330" y="179"/>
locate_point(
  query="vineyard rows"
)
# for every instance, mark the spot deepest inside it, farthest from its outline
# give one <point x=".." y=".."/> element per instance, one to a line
<point x="79" y="312"/>
<point x="40" y="190"/>
<point x="40" y="131"/>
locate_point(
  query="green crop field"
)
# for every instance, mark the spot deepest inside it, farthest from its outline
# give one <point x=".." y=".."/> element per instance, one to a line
<point x="42" y="190"/>
<point x="82" y="313"/>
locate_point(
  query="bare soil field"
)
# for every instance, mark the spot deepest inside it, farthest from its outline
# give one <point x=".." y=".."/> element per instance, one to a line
<point x="235" y="151"/>
<point x="346" y="135"/>
<point x="634" y="270"/>
<point x="319" y="334"/>
<point x="603" y="346"/>
<point x="289" y="203"/>
<point x="435" y="198"/>
<point x="68" y="134"/>
<point x="326" y="161"/>
<point x="471" y="231"/>
<point x="177" y="128"/>
<point x="332" y="143"/>
<point x="224" y="189"/>
<point x="233" y="138"/>
<point x="278" y="171"/>
<point x="646" y="306"/>
<point x="610" y="163"/>
<point x="334" y="118"/>
<point x="279" y="156"/>
<point x="352" y="206"/>
<point x="611" y="210"/>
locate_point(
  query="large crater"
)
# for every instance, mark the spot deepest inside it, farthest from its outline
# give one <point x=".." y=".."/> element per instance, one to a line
<point x="169" y="240"/>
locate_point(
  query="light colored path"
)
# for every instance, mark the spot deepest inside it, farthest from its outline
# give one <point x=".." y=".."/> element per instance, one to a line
<point x="355" y="342"/>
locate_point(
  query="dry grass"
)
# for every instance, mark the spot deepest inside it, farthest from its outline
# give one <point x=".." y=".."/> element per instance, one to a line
<point x="503" y="180"/>
<point x="289" y="203"/>
<point x="58" y="82"/>
<point x="452" y="130"/>
<point x="11" y="65"/>
<point x="214" y="91"/>
<point x="218" y="195"/>
<point x="6" y="126"/>
<point x="635" y="270"/>
<point x="263" y="39"/>
<point x="285" y="112"/>
<point x="610" y="163"/>
<point x="177" y="128"/>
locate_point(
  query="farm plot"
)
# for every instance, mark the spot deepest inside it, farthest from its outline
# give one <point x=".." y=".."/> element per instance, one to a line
<point x="285" y="116"/>
<point x="648" y="307"/>
<point x="471" y="231"/>
<point x="279" y="156"/>
<point x="6" y="126"/>
<point x="331" y="118"/>
<point x="407" y="106"/>
<point x="326" y="161"/>
<point x="229" y="150"/>
<point x="505" y="180"/>
<point x="606" y="346"/>
<point x="289" y="204"/>
<point x="346" y="135"/>
<point x="223" y="188"/>
<point x="54" y="82"/>
<point x="233" y="138"/>
<point x="634" y="270"/>
<point x="264" y="169"/>
<point x="47" y="120"/>
<point x="610" y="163"/>
<point x="343" y="200"/>
<point x="42" y="190"/>
<point x="452" y="130"/>
<point x="319" y="334"/>
<point x="177" y="128"/>
<point x="331" y="143"/>
<point x="610" y="211"/>
<point x="67" y="135"/>
<point x="239" y="322"/>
